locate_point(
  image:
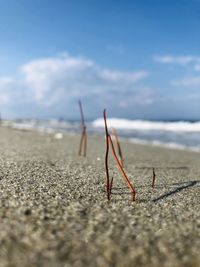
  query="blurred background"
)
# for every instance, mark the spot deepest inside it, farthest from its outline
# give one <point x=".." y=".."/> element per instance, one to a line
<point x="140" y="59"/>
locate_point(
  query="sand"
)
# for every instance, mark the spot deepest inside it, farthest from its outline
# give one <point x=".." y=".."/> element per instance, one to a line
<point x="54" y="211"/>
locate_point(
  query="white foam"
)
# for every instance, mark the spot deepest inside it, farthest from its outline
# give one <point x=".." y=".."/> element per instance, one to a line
<point x="170" y="145"/>
<point x="23" y="126"/>
<point x="124" y="124"/>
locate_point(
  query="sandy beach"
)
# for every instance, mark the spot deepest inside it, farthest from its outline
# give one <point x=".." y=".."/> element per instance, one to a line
<point x="54" y="210"/>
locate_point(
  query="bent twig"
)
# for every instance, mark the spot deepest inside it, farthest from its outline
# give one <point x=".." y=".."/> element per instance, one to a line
<point x="118" y="146"/>
<point x="121" y="170"/>
<point x="108" y="183"/>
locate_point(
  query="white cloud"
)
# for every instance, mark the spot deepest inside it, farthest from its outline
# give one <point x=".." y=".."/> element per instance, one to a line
<point x="5" y="81"/>
<point x="4" y="99"/>
<point x="143" y="96"/>
<point x="5" y="84"/>
<point x="146" y="96"/>
<point x="75" y="76"/>
<point x="57" y="82"/>
<point x="180" y="60"/>
<point x="119" y="76"/>
<point x="50" y="74"/>
<point x="191" y="62"/>
<point x="189" y="81"/>
<point x="197" y="67"/>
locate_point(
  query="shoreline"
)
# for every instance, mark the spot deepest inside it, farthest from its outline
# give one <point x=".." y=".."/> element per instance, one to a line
<point x="154" y="143"/>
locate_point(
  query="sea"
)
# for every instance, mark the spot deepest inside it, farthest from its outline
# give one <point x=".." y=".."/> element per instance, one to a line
<point x="180" y="134"/>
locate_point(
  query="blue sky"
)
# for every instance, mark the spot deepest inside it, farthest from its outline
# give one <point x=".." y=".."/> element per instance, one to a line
<point x="138" y="59"/>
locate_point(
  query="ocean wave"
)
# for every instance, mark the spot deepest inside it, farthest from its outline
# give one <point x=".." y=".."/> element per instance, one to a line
<point x="169" y="145"/>
<point x="124" y="124"/>
<point x="176" y="135"/>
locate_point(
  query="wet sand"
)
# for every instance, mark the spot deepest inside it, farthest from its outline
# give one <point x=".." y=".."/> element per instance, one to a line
<point x="54" y="210"/>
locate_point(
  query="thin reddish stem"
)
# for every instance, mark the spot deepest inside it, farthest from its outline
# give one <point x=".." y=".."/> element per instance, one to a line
<point x="154" y="178"/>
<point x="106" y="157"/>
<point x="111" y="185"/>
<point x="118" y="146"/>
<point x="121" y="169"/>
<point x="81" y="112"/>
<point x="83" y="141"/>
<point x="81" y="144"/>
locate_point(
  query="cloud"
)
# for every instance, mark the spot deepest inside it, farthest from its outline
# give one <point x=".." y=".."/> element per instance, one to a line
<point x="76" y="77"/>
<point x="5" y="81"/>
<point x="197" y="67"/>
<point x="147" y="96"/>
<point x="50" y="75"/>
<point x="53" y="85"/>
<point x="4" y="99"/>
<point x="180" y="60"/>
<point x="193" y="66"/>
<point x="125" y="77"/>
<point x="143" y="96"/>
<point x="189" y="81"/>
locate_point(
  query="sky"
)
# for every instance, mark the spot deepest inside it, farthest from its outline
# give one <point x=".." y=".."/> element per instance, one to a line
<point x="139" y="59"/>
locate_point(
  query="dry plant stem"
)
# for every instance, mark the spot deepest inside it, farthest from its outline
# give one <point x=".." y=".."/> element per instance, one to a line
<point x="121" y="169"/>
<point x="118" y="146"/>
<point x="82" y="116"/>
<point x="111" y="185"/>
<point x="154" y="178"/>
<point x="83" y="142"/>
<point x="106" y="157"/>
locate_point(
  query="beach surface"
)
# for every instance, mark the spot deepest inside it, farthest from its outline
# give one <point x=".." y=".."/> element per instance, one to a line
<point x="54" y="210"/>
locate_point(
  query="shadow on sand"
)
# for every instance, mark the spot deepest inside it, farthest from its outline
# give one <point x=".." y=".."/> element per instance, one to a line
<point x="178" y="189"/>
<point x="182" y="185"/>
